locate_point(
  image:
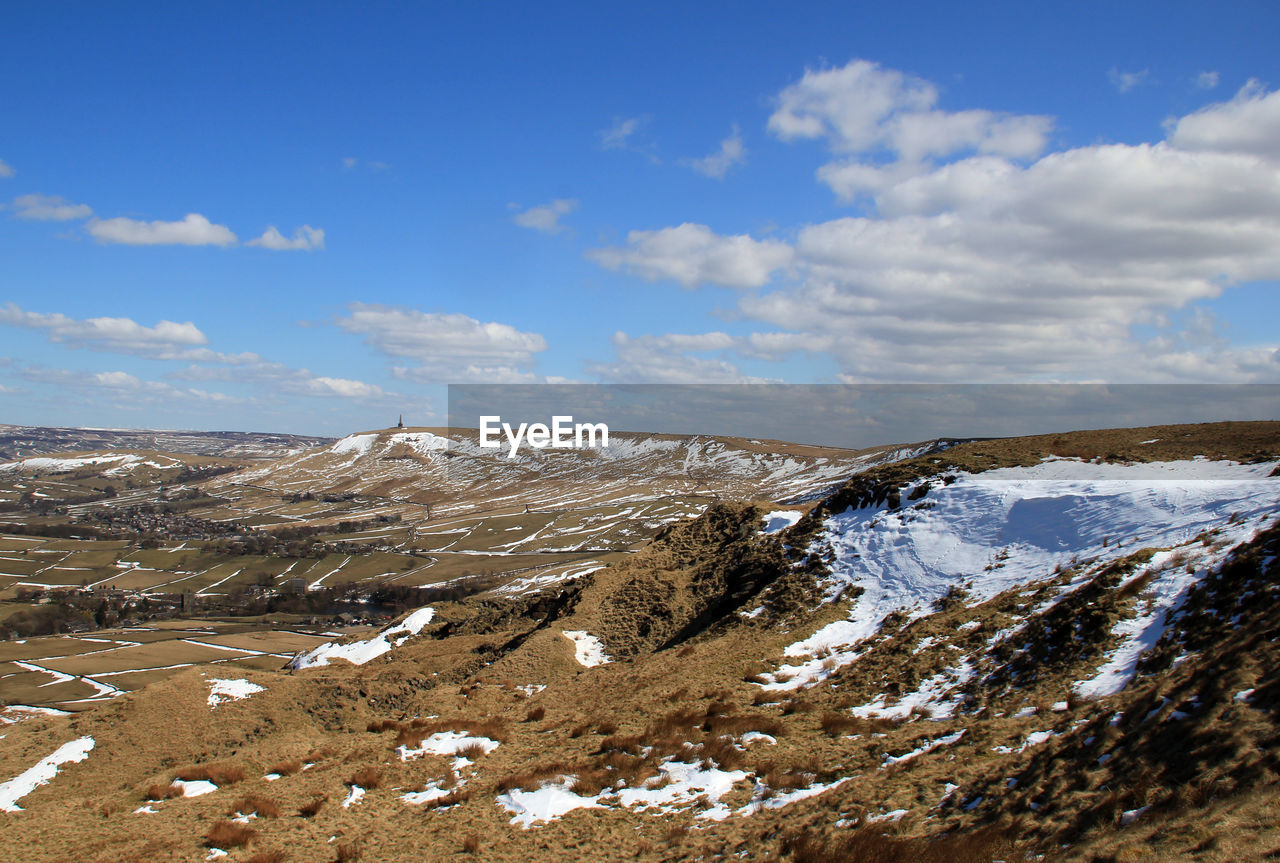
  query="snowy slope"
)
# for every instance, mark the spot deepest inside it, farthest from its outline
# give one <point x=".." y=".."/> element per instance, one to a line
<point x="1002" y="528"/>
<point x="456" y="475"/>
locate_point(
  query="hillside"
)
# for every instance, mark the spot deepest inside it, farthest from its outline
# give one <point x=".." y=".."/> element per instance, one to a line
<point x="1053" y="648"/>
<point x="451" y="472"/>
<point x="17" y="442"/>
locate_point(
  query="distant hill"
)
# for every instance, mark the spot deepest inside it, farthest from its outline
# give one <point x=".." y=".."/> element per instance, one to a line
<point x="24" y="441"/>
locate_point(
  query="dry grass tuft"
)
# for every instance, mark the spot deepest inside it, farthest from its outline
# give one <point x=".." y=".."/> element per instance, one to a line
<point x="367" y="778"/>
<point x="255" y="803"/>
<point x="227" y="834"/>
<point x="310" y="810"/>
<point x="472" y="751"/>
<point x="453" y="798"/>
<point x="218" y="774"/>
<point x="286" y="768"/>
<point x="492" y="727"/>
<point x="471" y="845"/>
<point x="162" y="792"/>
<point x="535" y="714"/>
<point x="348" y="852"/>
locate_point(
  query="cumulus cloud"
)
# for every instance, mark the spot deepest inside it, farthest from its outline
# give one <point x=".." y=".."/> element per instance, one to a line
<point x="1126" y="81"/>
<point x="448" y="348"/>
<point x="5" y="169"/>
<point x="546" y="217"/>
<point x="304" y="239"/>
<point x="193" y="230"/>
<point x="694" y="254"/>
<point x="669" y="359"/>
<point x="1085" y="264"/>
<point x="167" y="339"/>
<point x="717" y="164"/>
<point x="49" y="208"/>
<point x="1249" y="123"/>
<point x="884" y="126"/>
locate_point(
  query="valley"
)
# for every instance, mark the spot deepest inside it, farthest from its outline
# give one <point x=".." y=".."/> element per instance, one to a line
<point x="1057" y="647"/>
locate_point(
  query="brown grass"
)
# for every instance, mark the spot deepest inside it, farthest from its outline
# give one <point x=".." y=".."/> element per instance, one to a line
<point x="276" y="856"/>
<point x="472" y="751"/>
<point x="162" y="792"/>
<point x="492" y="727"/>
<point x="870" y="845"/>
<point x="218" y="774"/>
<point x="837" y="724"/>
<point x="286" y="768"/>
<point x="227" y="834"/>
<point x="471" y="844"/>
<point x="453" y="798"/>
<point x="535" y="714"/>
<point x="347" y="852"/>
<point x="251" y="803"/>
<point x="377" y="726"/>
<point x="367" y="778"/>
<point x="532" y="777"/>
<point x="310" y="810"/>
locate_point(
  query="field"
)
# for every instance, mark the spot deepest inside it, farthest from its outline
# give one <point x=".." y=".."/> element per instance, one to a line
<point x="75" y="672"/>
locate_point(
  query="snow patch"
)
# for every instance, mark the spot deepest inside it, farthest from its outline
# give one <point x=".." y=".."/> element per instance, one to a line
<point x="360" y="652"/>
<point x="40" y="774"/>
<point x="587" y="649"/>
<point x="223" y="689"/>
<point x="780" y="519"/>
<point x="446" y="743"/>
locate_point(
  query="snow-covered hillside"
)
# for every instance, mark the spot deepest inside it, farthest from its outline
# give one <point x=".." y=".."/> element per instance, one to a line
<point x="455" y="474"/>
<point x="985" y="533"/>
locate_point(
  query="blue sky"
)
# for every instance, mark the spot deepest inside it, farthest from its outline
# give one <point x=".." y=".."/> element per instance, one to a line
<point x="309" y="218"/>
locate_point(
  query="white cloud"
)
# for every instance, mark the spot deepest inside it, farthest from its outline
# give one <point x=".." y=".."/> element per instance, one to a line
<point x="546" y="218"/>
<point x="668" y="359"/>
<point x="883" y="126"/>
<point x="49" y="208"/>
<point x="350" y="162"/>
<point x="618" y="136"/>
<point x="345" y="388"/>
<point x="280" y="379"/>
<point x="1126" y="81"/>
<point x="193" y="230"/>
<point x="448" y="348"/>
<point x="6" y="170"/>
<point x="1206" y="80"/>
<point x="1088" y="264"/>
<point x="716" y="165"/>
<point x="306" y="239"/>
<point x="1249" y="123"/>
<point x="120" y="389"/>
<point x="693" y="254"/>
<point x="166" y="339"/>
